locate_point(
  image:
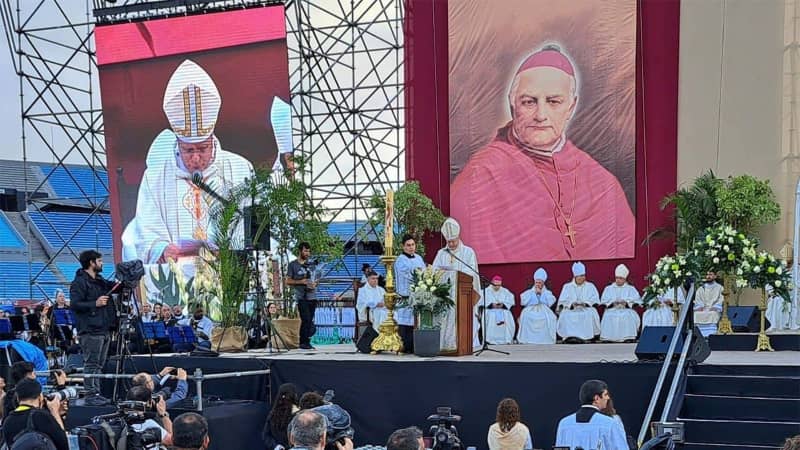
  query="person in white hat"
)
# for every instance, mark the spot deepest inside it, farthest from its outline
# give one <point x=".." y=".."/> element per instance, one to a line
<point x="578" y="321"/>
<point x="172" y="213"/>
<point x="537" y="323"/>
<point x="453" y="258"/>
<point x="659" y="311"/>
<point x="500" y="325"/>
<point x="620" y="322"/>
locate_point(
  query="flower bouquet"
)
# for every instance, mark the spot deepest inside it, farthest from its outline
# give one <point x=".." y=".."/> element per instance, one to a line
<point x="671" y="272"/>
<point x="723" y="250"/>
<point x="430" y="295"/>
<point x="762" y="269"/>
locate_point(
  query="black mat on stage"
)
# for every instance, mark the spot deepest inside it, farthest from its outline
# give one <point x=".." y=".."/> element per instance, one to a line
<point x="252" y="387"/>
<point x="382" y="396"/>
<point x="233" y="424"/>
<point x="746" y="342"/>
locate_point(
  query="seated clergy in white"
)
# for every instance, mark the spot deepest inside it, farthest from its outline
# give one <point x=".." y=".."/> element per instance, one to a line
<point x="708" y="305"/>
<point x="779" y="311"/>
<point x="499" y="321"/>
<point x="659" y="311"/>
<point x="620" y="322"/>
<point x="537" y="323"/>
<point x="577" y="317"/>
<point x="589" y="428"/>
<point x="371" y="297"/>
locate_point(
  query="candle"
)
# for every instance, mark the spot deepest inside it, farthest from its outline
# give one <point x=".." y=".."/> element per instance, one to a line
<point x="388" y="221"/>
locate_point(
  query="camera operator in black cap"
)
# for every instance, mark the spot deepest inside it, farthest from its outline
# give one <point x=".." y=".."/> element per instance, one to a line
<point x="95" y="315"/>
<point x="31" y="422"/>
<point x="145" y="395"/>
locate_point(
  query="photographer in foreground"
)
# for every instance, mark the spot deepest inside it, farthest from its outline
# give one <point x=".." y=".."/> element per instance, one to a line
<point x="45" y="423"/>
<point x="95" y="315"/>
<point x="145" y="395"/>
<point x="152" y="382"/>
<point x="22" y="370"/>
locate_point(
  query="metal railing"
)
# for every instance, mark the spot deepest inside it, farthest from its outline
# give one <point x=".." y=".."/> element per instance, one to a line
<point x="685" y="310"/>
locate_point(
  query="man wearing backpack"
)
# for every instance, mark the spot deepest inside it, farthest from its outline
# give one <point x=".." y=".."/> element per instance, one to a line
<point x="29" y="427"/>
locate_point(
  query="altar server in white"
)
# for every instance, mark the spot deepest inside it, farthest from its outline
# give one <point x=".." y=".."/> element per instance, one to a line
<point x="370" y="302"/>
<point x="578" y="318"/>
<point x="537" y="323"/>
<point x="500" y="325"/>
<point x="620" y="322"/>
<point x="589" y="428"/>
<point x="404" y="267"/>
<point x="708" y="305"/>
<point x="453" y="258"/>
<point x="779" y="312"/>
<point x="172" y="213"/>
<point x="659" y="312"/>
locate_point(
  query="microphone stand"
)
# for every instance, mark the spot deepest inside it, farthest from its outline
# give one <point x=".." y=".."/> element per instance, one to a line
<point x="484" y="281"/>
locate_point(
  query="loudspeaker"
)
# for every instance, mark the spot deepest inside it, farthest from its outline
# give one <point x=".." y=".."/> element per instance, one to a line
<point x="251" y="226"/>
<point x="744" y="319"/>
<point x="364" y="344"/>
<point x="654" y="343"/>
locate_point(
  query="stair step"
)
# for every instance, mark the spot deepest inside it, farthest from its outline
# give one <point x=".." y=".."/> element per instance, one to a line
<point x="739" y="432"/>
<point x="741" y="408"/>
<point x="696" y="446"/>
<point x="765" y="371"/>
<point x="745" y="386"/>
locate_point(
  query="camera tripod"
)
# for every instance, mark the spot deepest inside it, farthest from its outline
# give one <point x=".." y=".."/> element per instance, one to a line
<point x="126" y="325"/>
<point x="271" y="334"/>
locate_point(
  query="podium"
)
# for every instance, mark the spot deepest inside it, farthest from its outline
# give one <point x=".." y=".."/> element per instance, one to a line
<point x="466" y="297"/>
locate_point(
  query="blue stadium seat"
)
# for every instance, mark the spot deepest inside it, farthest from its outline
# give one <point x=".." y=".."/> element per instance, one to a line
<point x="9" y="238"/>
<point x="66" y="182"/>
<point x="58" y="227"/>
<point x="15" y="283"/>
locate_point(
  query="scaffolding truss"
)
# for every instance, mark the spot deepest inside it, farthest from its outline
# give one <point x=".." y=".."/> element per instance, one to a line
<point x="346" y="77"/>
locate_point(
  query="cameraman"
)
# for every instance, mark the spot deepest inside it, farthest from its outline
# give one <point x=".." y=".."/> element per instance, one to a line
<point x="145" y="395"/>
<point x="151" y="381"/>
<point x="31" y="401"/>
<point x="95" y="317"/>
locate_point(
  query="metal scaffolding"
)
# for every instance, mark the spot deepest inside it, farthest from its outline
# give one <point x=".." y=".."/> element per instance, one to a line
<point x="346" y="78"/>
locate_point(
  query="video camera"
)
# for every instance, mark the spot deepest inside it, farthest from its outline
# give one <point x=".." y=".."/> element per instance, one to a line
<point x="117" y="428"/>
<point x="444" y="433"/>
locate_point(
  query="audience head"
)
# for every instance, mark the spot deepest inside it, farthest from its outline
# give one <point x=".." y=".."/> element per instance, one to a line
<point x="372" y="278"/>
<point x="406" y="439"/>
<point x="157" y="309"/>
<point x="507" y="414"/>
<point x="307" y="429"/>
<point x="609" y="409"/>
<point x="190" y="431"/>
<point x="177" y="310"/>
<point x="594" y="392"/>
<point x="140" y="393"/>
<point x="143" y="379"/>
<point x="366" y="269"/>
<point x="21" y="370"/>
<point x="166" y="313"/>
<point x="60" y="298"/>
<point x="199" y="312"/>
<point x="146" y="308"/>
<point x="792" y="443"/>
<point x="272" y="309"/>
<point x="310" y="400"/>
<point x="28" y="390"/>
<point x="282" y="410"/>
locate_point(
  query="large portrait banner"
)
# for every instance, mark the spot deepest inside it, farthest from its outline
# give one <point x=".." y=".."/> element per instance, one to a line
<point x="543" y="128"/>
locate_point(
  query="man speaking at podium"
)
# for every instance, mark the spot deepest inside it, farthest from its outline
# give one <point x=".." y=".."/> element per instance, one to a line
<point x="453" y="258"/>
<point x="172" y="212"/>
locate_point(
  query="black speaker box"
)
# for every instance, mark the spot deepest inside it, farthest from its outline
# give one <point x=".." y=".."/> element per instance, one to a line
<point x="744" y="319"/>
<point x="654" y="343"/>
<point x="364" y="344"/>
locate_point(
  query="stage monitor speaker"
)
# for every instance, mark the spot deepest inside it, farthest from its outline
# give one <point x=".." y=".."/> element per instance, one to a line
<point x="364" y="344"/>
<point x="654" y="343"/>
<point x="744" y="319"/>
<point x="251" y="226"/>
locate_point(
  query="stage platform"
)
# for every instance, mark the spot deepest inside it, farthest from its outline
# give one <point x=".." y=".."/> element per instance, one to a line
<point x="386" y="391"/>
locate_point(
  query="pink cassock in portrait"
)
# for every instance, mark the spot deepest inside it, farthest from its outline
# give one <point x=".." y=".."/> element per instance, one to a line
<point x="533" y="195"/>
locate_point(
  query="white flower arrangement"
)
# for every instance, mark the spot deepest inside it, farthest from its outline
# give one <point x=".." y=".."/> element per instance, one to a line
<point x="670" y="272"/>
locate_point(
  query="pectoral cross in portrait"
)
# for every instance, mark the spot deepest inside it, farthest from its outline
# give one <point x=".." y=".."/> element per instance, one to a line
<point x="570" y="233"/>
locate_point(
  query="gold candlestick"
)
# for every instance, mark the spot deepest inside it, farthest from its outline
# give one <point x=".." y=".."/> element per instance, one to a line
<point x="724" y="326"/>
<point x="763" y="340"/>
<point x="388" y="339"/>
<point x="675" y="308"/>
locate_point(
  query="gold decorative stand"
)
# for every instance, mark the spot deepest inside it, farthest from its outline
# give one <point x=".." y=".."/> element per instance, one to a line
<point x="388" y="339"/>
<point x="724" y="326"/>
<point x="763" y="340"/>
